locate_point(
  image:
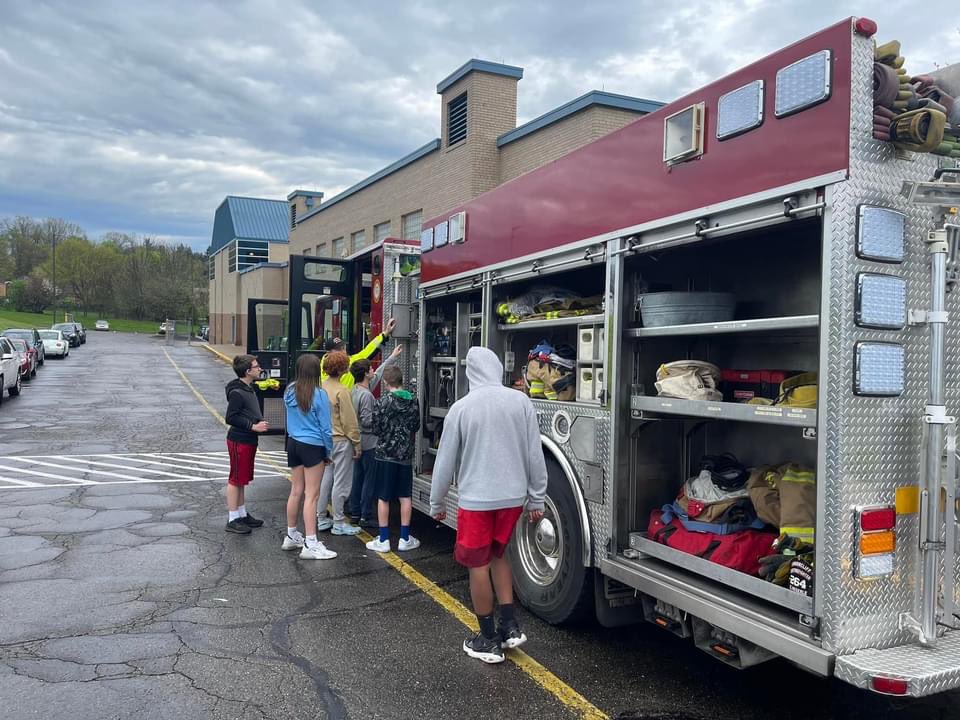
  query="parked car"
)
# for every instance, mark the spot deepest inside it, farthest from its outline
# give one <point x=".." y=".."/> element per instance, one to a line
<point x="69" y="332"/>
<point x="101" y="325"/>
<point x="33" y="340"/>
<point x="9" y="369"/>
<point x="81" y="331"/>
<point x="204" y="333"/>
<point x="55" y="344"/>
<point x="163" y="329"/>
<point x="28" y="364"/>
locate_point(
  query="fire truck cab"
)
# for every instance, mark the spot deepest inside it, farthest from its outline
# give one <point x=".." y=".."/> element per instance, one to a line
<point x="821" y="365"/>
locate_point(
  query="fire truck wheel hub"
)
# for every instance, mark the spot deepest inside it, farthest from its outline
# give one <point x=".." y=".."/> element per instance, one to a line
<point x="540" y="547"/>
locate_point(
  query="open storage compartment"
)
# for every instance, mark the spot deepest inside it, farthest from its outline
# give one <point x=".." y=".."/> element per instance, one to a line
<point x="726" y="389"/>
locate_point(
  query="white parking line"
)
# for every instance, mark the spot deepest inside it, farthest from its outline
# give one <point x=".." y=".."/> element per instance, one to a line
<point x="137" y="468"/>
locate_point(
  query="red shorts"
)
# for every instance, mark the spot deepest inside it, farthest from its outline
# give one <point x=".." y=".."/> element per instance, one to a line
<point x="241" y="462"/>
<point x="483" y="534"/>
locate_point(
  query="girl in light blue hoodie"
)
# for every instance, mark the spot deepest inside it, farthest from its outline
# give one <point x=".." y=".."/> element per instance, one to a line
<point x="309" y="444"/>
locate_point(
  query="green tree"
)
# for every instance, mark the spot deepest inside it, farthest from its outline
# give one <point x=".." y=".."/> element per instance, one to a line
<point x="25" y="244"/>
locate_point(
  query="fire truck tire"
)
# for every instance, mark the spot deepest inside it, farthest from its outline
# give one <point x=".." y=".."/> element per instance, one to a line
<point x="549" y="577"/>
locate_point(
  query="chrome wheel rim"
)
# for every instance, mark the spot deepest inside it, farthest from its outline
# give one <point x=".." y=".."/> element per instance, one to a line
<point x="540" y="546"/>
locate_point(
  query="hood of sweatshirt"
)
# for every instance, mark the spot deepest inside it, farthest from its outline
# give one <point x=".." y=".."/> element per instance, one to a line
<point x="483" y="368"/>
<point x="237" y="384"/>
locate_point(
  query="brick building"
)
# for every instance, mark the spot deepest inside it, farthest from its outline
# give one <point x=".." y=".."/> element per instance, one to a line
<point x="479" y="148"/>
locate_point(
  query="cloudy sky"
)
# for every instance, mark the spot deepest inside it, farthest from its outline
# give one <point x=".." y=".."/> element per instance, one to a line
<point x="141" y="117"/>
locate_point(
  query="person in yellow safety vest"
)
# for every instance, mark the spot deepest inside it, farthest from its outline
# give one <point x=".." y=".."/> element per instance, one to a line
<point x="336" y="343"/>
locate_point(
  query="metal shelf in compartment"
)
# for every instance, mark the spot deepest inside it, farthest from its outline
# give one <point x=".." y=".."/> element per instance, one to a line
<point x="555" y="322"/>
<point x="643" y="407"/>
<point x="732" y="578"/>
<point x="774" y="324"/>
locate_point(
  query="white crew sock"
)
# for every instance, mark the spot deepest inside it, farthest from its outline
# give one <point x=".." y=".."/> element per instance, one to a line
<point x="234" y="515"/>
<point x="242" y="510"/>
<point x="311" y="540"/>
<point x="291" y="531"/>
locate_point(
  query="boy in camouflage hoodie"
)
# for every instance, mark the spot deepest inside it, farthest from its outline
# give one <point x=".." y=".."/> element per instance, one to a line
<point x="396" y="417"/>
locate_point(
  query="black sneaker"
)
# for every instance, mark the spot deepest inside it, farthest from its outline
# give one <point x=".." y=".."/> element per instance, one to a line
<point x="511" y="636"/>
<point x="250" y="521"/>
<point x="368" y="523"/>
<point x="236" y="526"/>
<point x="483" y="648"/>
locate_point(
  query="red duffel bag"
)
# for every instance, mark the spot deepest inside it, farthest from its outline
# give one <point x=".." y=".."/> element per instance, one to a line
<point x="740" y="550"/>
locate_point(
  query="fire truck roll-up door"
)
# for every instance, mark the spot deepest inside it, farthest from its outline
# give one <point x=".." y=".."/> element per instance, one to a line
<point x="323" y="303"/>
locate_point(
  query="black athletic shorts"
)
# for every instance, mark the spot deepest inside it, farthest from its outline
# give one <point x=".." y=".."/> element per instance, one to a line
<point x="301" y="453"/>
<point x="393" y="480"/>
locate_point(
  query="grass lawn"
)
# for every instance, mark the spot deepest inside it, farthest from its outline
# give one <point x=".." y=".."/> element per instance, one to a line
<point x="10" y="318"/>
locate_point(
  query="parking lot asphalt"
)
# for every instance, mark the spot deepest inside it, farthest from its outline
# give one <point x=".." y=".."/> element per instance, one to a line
<point x="122" y="597"/>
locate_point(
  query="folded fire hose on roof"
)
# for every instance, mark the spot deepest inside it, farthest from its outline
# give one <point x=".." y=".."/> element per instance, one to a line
<point x="689" y="380"/>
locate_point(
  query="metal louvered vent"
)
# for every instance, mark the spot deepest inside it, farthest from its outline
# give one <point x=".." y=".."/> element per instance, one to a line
<point x="457" y="120"/>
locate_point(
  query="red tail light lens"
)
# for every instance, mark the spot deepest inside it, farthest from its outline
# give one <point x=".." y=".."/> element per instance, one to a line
<point x="889" y="686"/>
<point x="878" y="519"/>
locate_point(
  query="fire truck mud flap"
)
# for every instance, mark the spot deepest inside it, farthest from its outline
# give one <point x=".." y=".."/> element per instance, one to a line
<point x="912" y="670"/>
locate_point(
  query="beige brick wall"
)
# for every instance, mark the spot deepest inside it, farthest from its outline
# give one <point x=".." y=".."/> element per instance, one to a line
<point x="556" y="140"/>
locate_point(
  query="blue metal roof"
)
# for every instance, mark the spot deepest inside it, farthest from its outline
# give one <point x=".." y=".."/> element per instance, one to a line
<point x="246" y="218"/>
<point x="479" y="66"/>
<point x="594" y="97"/>
<point x="430" y="147"/>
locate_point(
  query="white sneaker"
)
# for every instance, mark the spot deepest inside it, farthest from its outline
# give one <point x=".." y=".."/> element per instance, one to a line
<point x="411" y="544"/>
<point x="345" y="529"/>
<point x="317" y="552"/>
<point x="324" y="523"/>
<point x="378" y="545"/>
<point x="292" y="542"/>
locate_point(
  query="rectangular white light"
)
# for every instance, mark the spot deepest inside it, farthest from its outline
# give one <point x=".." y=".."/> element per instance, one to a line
<point x="880" y="234"/>
<point x="868" y="566"/>
<point x="878" y="369"/>
<point x="881" y="301"/>
<point x="683" y="134"/>
<point x="803" y="84"/>
<point x="426" y="240"/>
<point x="458" y="227"/>
<point x="440" y="234"/>
<point x="740" y="110"/>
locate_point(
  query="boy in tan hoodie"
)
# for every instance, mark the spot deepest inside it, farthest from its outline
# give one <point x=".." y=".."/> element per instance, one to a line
<point x="338" y="477"/>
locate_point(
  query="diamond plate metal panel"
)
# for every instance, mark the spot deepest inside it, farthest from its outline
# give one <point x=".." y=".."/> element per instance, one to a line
<point x="870" y="446"/>
<point x="598" y="512"/>
<point x="929" y="670"/>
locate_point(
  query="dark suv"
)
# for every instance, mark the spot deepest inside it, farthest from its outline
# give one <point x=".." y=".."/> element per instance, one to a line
<point x="34" y="342"/>
<point x="70" y="332"/>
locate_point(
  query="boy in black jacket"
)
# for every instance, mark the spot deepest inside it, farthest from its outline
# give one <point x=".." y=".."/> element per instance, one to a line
<point x="396" y="417"/>
<point x="245" y="421"/>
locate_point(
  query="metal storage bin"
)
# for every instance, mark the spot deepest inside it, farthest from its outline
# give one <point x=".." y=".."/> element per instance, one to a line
<point x="683" y="308"/>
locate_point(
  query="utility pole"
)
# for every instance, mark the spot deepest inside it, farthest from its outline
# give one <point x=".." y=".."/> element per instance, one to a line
<point x="53" y="242"/>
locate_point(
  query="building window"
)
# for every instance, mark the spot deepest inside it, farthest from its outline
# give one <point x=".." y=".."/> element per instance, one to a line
<point x="232" y="257"/>
<point x="358" y="240"/>
<point x="457" y="120"/>
<point x="381" y="231"/>
<point x="293" y="216"/>
<point x="411" y="225"/>
<point x="321" y="249"/>
<point x="339" y="248"/>
<point x="308" y="251"/>
<point x="212" y="267"/>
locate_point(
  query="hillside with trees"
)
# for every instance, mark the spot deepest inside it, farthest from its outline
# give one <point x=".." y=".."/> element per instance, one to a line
<point x="118" y="275"/>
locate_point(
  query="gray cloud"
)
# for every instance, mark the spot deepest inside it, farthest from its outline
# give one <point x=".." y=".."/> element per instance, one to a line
<point x="142" y="117"/>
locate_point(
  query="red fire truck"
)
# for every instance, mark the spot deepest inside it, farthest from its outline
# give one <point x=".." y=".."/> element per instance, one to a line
<point x="786" y="241"/>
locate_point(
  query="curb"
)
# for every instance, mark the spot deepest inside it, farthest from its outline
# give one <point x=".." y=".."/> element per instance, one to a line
<point x="219" y="354"/>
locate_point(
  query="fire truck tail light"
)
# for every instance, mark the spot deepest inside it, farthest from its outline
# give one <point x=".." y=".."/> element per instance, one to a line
<point x="878" y="369"/>
<point x="803" y="84"/>
<point x="869" y="566"/>
<point x="865" y="26"/>
<point x="884" y="518"/>
<point x="889" y="686"/>
<point x="878" y="542"/>
<point x="880" y="234"/>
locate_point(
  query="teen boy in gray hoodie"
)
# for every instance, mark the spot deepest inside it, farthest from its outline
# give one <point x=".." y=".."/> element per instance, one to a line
<point x="491" y="441"/>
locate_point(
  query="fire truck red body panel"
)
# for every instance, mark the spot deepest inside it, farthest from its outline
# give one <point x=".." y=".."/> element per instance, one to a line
<point x="621" y="180"/>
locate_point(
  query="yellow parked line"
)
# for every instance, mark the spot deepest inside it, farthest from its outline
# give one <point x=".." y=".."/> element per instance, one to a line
<point x="579" y="705"/>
